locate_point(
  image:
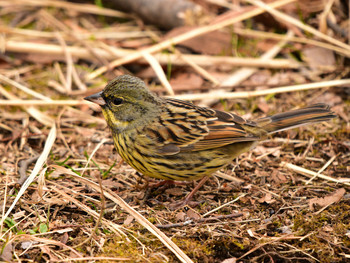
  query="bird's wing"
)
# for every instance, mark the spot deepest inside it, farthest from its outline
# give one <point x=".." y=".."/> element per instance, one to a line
<point x="186" y="127"/>
<point x="226" y="129"/>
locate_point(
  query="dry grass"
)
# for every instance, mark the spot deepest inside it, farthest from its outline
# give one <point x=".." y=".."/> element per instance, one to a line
<point x="66" y="194"/>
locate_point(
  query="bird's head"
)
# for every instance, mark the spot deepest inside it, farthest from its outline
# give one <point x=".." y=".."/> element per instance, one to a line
<point x="127" y="103"/>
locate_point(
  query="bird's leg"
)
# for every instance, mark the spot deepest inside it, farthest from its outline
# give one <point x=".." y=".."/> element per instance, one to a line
<point x="166" y="183"/>
<point x="195" y="190"/>
<point x="139" y="184"/>
<point x="157" y="184"/>
<point x="150" y="183"/>
<point x="190" y="195"/>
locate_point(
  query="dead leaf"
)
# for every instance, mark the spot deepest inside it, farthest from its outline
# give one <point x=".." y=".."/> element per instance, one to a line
<point x="36" y="196"/>
<point x="176" y="191"/>
<point x="6" y="254"/>
<point x="278" y="177"/>
<point x="226" y="188"/>
<point x="328" y="228"/>
<point x="19" y="215"/>
<point x="112" y="183"/>
<point x="230" y="260"/>
<point x="329" y="98"/>
<point x="266" y="199"/>
<point x="55" y="200"/>
<point x="265" y="45"/>
<point x="186" y="81"/>
<point x="146" y="73"/>
<point x="28" y="244"/>
<point x="286" y="230"/>
<point x="263" y="106"/>
<point x="193" y="214"/>
<point x="212" y="43"/>
<point x="40" y="58"/>
<point x="64" y="239"/>
<point x="327" y="200"/>
<point x="128" y="220"/>
<point x="317" y="56"/>
<point x="260" y="173"/>
<point x="340" y="111"/>
<point x="85" y="132"/>
<point x="259" y="78"/>
<point x="180" y="217"/>
<point x="259" y="150"/>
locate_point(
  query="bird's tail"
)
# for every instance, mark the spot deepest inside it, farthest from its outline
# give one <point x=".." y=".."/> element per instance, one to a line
<point x="295" y="118"/>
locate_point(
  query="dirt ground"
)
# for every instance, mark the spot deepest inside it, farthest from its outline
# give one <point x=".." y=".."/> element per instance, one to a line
<point x="287" y="200"/>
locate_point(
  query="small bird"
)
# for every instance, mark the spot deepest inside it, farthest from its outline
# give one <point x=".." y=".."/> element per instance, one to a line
<point x="172" y="139"/>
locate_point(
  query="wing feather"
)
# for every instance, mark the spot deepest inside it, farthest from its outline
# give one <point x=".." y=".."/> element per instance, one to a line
<point x="186" y="127"/>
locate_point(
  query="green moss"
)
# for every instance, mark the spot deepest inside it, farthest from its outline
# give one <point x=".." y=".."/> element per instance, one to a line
<point x="317" y="228"/>
<point x="195" y="248"/>
<point x="152" y="220"/>
<point x="237" y="243"/>
<point x="135" y="249"/>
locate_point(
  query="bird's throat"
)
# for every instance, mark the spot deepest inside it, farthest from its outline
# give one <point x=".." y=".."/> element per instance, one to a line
<point x="115" y="124"/>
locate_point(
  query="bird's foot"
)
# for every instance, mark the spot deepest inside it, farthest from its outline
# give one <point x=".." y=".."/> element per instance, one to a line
<point x="185" y="202"/>
<point x="188" y="198"/>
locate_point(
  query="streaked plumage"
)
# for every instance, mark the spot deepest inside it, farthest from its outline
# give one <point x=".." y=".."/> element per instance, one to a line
<point x="175" y="140"/>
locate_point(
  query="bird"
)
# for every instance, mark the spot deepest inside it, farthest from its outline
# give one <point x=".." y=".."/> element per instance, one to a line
<point x="171" y="139"/>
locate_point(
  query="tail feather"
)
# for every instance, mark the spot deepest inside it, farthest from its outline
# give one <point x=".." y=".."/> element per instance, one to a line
<point x="295" y="118"/>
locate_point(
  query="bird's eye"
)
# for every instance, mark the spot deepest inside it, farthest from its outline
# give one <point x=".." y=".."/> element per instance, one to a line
<point x="117" y="101"/>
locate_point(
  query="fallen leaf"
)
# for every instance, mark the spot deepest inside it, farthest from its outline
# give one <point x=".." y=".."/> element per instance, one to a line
<point x="85" y="132"/>
<point x="17" y="216"/>
<point x="266" y="199"/>
<point x="212" y="43"/>
<point x="316" y="56"/>
<point x="40" y="58"/>
<point x="128" y="220"/>
<point x="176" y="191"/>
<point x="265" y="45"/>
<point x="328" y="228"/>
<point x="278" y="177"/>
<point x="112" y="184"/>
<point x="6" y="254"/>
<point x="263" y="106"/>
<point x="230" y="260"/>
<point x="340" y="111"/>
<point x="186" y="81"/>
<point x="285" y="230"/>
<point x="327" y="200"/>
<point x="28" y="244"/>
<point x="64" y="239"/>
<point x="193" y="214"/>
<point x="180" y="217"/>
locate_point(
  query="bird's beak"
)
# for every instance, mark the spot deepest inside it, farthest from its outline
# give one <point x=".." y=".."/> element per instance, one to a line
<point x="96" y="98"/>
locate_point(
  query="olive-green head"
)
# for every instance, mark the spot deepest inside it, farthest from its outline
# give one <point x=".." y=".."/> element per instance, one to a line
<point x="126" y="103"/>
